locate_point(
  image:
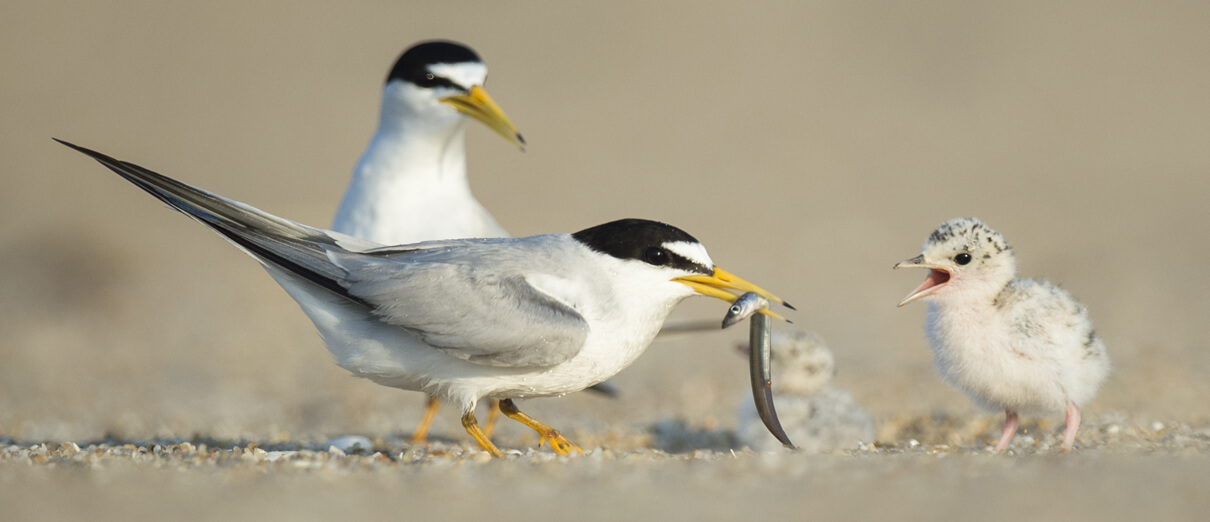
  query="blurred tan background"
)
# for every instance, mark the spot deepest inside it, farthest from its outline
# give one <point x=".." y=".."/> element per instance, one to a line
<point x="810" y="146"/>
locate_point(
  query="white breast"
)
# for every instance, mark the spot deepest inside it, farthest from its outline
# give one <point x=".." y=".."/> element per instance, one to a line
<point x="410" y="186"/>
<point x="976" y="351"/>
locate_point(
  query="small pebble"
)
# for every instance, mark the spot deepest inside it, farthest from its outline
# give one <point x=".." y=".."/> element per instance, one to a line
<point x="352" y="443"/>
<point x="274" y="456"/>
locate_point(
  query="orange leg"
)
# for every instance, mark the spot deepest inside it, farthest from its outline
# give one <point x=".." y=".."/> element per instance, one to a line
<point x="421" y="434"/>
<point x="472" y="427"/>
<point x="493" y="415"/>
<point x="561" y="445"/>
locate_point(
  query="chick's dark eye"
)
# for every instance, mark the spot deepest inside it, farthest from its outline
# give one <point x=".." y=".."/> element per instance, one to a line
<point x="655" y="256"/>
<point x="962" y="258"/>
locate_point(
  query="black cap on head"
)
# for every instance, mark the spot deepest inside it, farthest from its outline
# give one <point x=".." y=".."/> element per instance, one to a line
<point x="412" y="66"/>
<point x="642" y="240"/>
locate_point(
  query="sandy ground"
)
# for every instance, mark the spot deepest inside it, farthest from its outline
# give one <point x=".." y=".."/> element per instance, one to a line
<point x="810" y="147"/>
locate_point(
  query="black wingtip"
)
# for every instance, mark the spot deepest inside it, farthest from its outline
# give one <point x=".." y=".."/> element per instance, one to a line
<point x="122" y="168"/>
<point x="86" y="151"/>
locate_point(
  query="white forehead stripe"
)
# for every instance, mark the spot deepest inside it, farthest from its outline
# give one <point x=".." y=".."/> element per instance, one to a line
<point x="695" y="252"/>
<point x="465" y="74"/>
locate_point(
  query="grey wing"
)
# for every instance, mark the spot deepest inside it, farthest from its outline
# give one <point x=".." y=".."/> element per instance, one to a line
<point x="485" y="316"/>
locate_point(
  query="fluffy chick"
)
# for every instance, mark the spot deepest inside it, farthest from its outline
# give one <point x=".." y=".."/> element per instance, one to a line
<point x="1010" y="344"/>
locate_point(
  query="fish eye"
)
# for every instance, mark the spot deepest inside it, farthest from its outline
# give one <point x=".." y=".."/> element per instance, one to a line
<point x="656" y="256"/>
<point x="962" y="258"/>
<point x="735" y="309"/>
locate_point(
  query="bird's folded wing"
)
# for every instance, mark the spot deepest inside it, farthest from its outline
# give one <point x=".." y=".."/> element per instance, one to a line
<point x="484" y="315"/>
<point x="455" y="300"/>
<point x="1042" y="311"/>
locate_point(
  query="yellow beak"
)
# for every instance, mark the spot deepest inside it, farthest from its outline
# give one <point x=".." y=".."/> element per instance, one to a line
<point x="478" y="105"/>
<point x="724" y="285"/>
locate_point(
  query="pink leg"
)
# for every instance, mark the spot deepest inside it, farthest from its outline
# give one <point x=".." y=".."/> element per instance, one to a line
<point x="1073" y="424"/>
<point x="1010" y="429"/>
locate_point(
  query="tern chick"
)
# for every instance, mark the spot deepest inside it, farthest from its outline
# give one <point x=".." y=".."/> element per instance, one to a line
<point x="1009" y="344"/>
<point x="815" y="415"/>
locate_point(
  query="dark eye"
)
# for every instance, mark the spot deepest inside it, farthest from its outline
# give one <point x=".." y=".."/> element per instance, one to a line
<point x="962" y="258"/>
<point x="431" y="80"/>
<point x="428" y="80"/>
<point x="656" y="256"/>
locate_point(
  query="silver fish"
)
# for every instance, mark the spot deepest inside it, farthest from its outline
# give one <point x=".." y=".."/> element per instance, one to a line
<point x="743" y="308"/>
<point x="760" y="342"/>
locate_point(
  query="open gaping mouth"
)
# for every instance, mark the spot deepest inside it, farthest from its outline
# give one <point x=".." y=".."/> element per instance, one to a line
<point x="937" y="278"/>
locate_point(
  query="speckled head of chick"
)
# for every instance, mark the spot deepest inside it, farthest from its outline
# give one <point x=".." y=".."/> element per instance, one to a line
<point x="965" y="259"/>
<point x="803" y="363"/>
